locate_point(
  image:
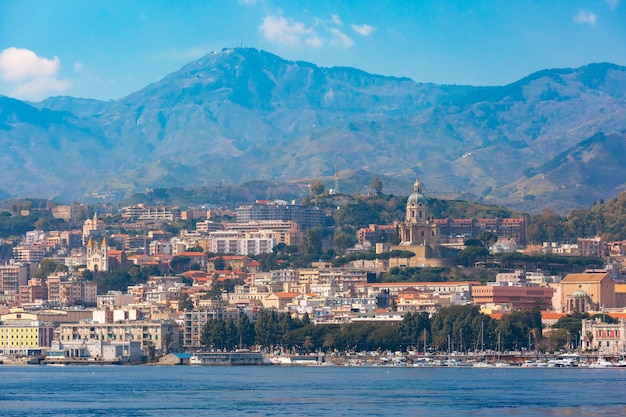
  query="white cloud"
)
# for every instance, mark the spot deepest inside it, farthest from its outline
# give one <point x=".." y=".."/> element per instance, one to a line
<point x="340" y="39"/>
<point x="286" y="31"/>
<point x="613" y="3"/>
<point x="29" y="76"/>
<point x="585" y="17"/>
<point x="78" y="67"/>
<point x="364" y="29"/>
<point x="21" y="64"/>
<point x="39" y="88"/>
<point x="314" y="41"/>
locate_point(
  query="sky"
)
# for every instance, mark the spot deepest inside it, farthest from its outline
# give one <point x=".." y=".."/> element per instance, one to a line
<point x="108" y="49"/>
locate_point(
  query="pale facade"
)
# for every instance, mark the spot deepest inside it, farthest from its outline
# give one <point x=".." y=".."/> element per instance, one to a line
<point x="141" y="331"/>
<point x="587" y="292"/>
<point x="607" y="339"/>
<point x="417" y="229"/>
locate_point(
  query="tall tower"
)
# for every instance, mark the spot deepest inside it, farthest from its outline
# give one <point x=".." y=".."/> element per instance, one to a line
<point x="417" y="229"/>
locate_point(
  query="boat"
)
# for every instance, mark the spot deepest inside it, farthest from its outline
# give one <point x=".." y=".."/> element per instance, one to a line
<point x="602" y="363"/>
<point x="567" y="360"/>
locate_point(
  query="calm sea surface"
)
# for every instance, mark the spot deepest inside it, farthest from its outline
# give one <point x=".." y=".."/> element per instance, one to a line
<point x="309" y="391"/>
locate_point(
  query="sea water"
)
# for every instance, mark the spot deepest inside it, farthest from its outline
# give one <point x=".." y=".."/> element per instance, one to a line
<point x="309" y="391"/>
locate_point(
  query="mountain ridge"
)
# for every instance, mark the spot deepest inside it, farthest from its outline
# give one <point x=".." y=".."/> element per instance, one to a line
<point x="244" y="114"/>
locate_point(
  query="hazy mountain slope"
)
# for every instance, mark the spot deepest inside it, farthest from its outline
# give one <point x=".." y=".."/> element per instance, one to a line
<point x="588" y="171"/>
<point x="47" y="153"/>
<point x="243" y="114"/>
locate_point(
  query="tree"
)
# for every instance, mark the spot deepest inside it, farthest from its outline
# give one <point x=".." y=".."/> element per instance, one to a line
<point x="185" y="304"/>
<point x="317" y="188"/>
<point x="246" y="331"/>
<point x="463" y="325"/>
<point x="150" y="351"/>
<point x="343" y="241"/>
<point x="180" y="263"/>
<point x="572" y="324"/>
<point x="167" y="341"/>
<point x="376" y="185"/>
<point x="307" y="344"/>
<point x="46" y="267"/>
<point x="267" y="330"/>
<point x="219" y="264"/>
<point x="515" y="327"/>
<point x="471" y="254"/>
<point x="545" y="227"/>
<point x="488" y="238"/>
<point x="312" y="242"/>
<point x="412" y="327"/>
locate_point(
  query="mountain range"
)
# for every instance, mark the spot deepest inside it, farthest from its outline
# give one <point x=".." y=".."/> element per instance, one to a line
<point x="554" y="139"/>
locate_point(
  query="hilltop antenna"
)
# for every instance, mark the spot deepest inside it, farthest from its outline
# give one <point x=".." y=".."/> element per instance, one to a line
<point x="336" y="179"/>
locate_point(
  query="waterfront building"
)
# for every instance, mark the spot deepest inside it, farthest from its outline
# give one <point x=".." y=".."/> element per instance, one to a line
<point x="195" y="320"/>
<point x="95" y="350"/>
<point x="606" y="338"/>
<point x="24" y="336"/>
<point x="164" y="335"/>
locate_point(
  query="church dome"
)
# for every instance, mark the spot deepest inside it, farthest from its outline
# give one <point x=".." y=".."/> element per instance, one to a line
<point x="417" y="196"/>
<point x="579" y="294"/>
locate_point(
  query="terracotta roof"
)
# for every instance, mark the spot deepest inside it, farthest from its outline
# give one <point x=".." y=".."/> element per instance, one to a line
<point x="593" y="277"/>
<point x="287" y="294"/>
<point x="231" y="257"/>
<point x="420" y="284"/>
<point x="191" y="254"/>
<point x="549" y="315"/>
<point x="620" y="288"/>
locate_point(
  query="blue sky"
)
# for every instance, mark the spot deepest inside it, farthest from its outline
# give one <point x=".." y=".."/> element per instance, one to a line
<point x="110" y="48"/>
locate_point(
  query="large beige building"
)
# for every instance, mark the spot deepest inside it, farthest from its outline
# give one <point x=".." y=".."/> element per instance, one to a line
<point x="420" y="235"/>
<point x="587" y="292"/>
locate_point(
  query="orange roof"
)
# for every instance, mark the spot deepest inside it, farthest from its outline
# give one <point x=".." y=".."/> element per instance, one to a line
<point x="586" y="277"/>
<point x="191" y="254"/>
<point x="549" y="315"/>
<point x="620" y="288"/>
<point x="420" y="284"/>
<point x="287" y="294"/>
<point x="192" y="273"/>
<point x="229" y="272"/>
